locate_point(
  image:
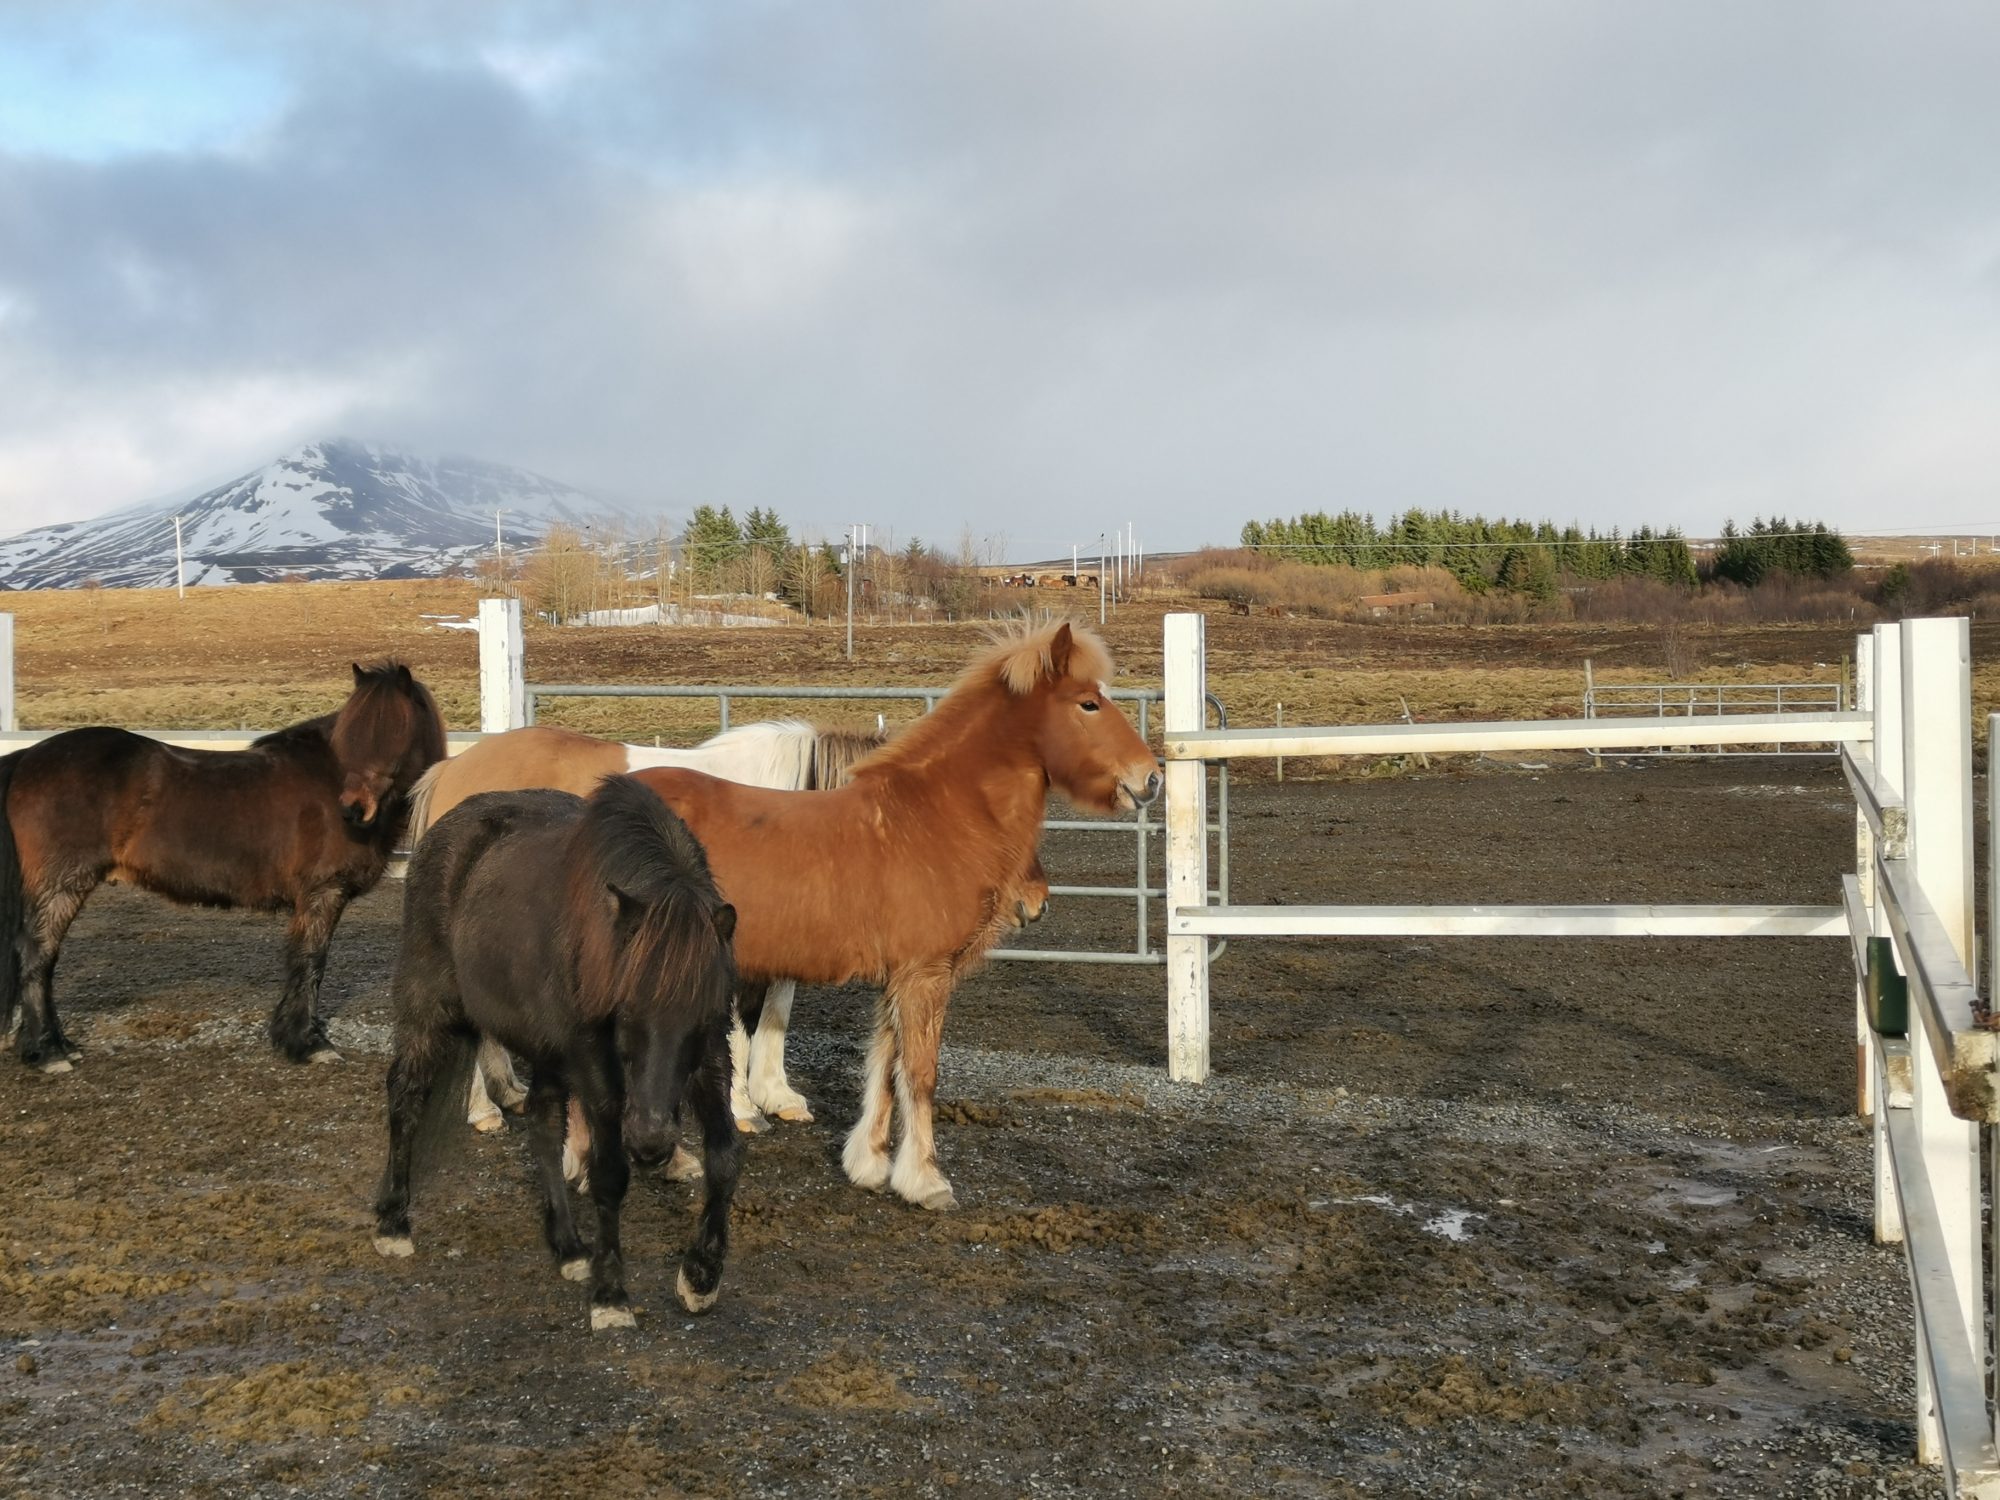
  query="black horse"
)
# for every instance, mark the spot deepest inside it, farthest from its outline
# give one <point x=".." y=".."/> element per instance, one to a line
<point x="590" y="939"/>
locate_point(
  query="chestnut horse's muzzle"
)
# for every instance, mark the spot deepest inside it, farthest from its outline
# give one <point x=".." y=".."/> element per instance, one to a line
<point x="1153" y="784"/>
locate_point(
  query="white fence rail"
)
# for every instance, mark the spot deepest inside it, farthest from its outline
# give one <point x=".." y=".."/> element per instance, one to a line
<point x="1907" y="911"/>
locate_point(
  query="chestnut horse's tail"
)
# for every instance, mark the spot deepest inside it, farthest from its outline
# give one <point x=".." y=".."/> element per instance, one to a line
<point x="13" y="903"/>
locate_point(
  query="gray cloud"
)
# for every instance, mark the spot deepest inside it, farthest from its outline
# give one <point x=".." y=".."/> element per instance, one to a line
<point x="1038" y="269"/>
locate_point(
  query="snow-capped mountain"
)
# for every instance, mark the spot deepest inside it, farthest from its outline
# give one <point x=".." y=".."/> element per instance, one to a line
<point x="335" y="509"/>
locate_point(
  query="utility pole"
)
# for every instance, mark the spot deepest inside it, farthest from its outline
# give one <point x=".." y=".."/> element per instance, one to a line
<point x="1100" y="578"/>
<point x="848" y="563"/>
<point x="180" y="572"/>
<point x="499" y="550"/>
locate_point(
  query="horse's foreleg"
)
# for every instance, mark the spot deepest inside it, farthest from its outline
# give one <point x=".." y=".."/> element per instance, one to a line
<point x="546" y="1112"/>
<point x="866" y="1154"/>
<point x="700" y="1279"/>
<point x="413" y="1073"/>
<point x="296" y="1028"/>
<point x="492" y="1073"/>
<point x="770" y="1090"/>
<point x="40" y="1039"/>
<point x="609" y="1175"/>
<point x="920" y="1007"/>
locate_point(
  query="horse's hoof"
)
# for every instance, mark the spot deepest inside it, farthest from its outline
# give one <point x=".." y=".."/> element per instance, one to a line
<point x="395" y="1246"/>
<point x="324" y="1055"/>
<point x="752" y="1123"/>
<point x="870" y="1172"/>
<point x="938" y="1200"/>
<point x="796" y="1114"/>
<point x="602" y="1318"/>
<point x="58" y="1065"/>
<point x="576" y="1270"/>
<point x="693" y="1301"/>
<point x="491" y="1124"/>
<point x="682" y="1166"/>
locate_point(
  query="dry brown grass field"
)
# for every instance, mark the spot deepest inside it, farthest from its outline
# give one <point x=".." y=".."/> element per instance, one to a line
<point x="263" y="656"/>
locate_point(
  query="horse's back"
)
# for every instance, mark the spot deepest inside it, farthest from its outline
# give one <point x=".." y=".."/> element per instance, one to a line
<point x="481" y="910"/>
<point x="537" y="757"/>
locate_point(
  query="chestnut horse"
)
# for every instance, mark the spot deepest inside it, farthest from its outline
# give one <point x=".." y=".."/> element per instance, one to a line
<point x="303" y="820"/>
<point x="589" y="937"/>
<point x="900" y="876"/>
<point x="788" y="754"/>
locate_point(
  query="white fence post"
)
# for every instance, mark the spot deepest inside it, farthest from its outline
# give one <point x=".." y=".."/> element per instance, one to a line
<point x="1187" y="850"/>
<point x="503" y="692"/>
<point x="1886" y="684"/>
<point x="1937" y="790"/>
<point x="1864" y="877"/>
<point x="8" y="722"/>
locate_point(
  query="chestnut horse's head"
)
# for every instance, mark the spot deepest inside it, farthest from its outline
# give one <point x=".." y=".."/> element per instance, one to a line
<point x="386" y="735"/>
<point x="1090" y="750"/>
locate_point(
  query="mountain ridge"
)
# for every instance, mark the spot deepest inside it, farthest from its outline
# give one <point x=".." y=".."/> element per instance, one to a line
<point x="332" y="509"/>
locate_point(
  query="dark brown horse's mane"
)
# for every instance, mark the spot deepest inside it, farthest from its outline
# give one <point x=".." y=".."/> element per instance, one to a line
<point x="633" y="861"/>
<point x="1021" y="655"/>
<point x="383" y="688"/>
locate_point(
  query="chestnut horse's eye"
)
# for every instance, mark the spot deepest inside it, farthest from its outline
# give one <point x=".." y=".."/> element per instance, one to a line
<point x="1088" y="705"/>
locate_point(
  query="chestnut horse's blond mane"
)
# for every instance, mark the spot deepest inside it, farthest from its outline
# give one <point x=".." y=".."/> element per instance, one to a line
<point x="1021" y="655"/>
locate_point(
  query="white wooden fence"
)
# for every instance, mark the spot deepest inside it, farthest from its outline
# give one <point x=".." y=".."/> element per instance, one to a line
<point x="1933" y="1096"/>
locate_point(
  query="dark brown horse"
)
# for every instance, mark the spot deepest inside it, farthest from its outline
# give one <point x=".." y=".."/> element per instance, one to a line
<point x="589" y="938"/>
<point x="303" y="820"/>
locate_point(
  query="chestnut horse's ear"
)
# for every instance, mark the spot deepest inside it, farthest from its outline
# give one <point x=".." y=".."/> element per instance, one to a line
<point x="1060" y="645"/>
<point x="725" y="922"/>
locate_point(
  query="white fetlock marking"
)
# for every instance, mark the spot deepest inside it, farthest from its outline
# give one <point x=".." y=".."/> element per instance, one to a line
<point x="693" y="1301"/>
<point x="576" y="1270"/>
<point x="602" y="1318"/>
<point x="395" y="1246"/>
<point x="325" y="1055"/>
<point x="572" y="1167"/>
<point x="864" y="1168"/>
<point x="683" y="1165"/>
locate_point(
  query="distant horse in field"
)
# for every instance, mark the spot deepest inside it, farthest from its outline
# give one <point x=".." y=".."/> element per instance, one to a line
<point x="303" y="820"/>
<point x="900" y="876"/>
<point x="788" y="754"/>
<point x="588" y="937"/>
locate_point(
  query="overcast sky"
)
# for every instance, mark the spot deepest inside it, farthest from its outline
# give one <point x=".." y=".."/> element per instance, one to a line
<point x="1032" y="268"/>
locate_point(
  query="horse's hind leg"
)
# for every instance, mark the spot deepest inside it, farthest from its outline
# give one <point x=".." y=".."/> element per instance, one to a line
<point x="748" y="1119"/>
<point x="770" y="1090"/>
<point x="414" y="1071"/>
<point x="865" y="1157"/>
<point x="492" y="1074"/>
<point x="41" y="1041"/>
<point x="700" y="1279"/>
<point x="296" y="1028"/>
<point x="920" y="1006"/>
<point x="548" y="1099"/>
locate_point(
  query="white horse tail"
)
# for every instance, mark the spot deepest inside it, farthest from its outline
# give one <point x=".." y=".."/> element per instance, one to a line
<point x="420" y="804"/>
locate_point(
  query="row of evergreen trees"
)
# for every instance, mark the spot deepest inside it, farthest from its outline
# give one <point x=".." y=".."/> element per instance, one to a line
<point x="1530" y="558"/>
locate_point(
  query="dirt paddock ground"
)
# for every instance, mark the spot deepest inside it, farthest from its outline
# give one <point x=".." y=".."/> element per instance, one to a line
<point x="1478" y="1217"/>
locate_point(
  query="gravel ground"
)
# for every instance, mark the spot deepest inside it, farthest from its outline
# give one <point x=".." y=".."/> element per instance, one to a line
<point x="1492" y="1217"/>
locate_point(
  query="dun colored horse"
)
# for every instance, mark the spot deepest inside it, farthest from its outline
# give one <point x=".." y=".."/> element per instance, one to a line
<point x="788" y="754"/>
<point x="588" y="937"/>
<point x="302" y="820"/>
<point x="899" y="877"/>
